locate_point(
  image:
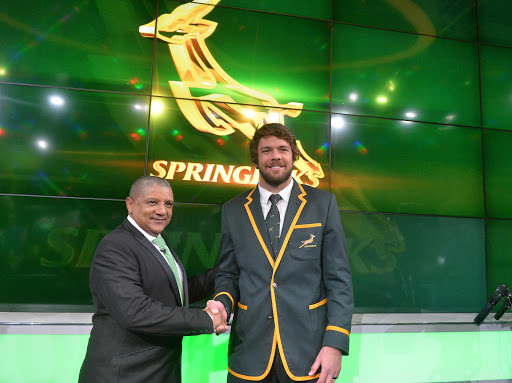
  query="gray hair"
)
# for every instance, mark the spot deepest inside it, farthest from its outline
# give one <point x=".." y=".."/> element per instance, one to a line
<point x="142" y="183"/>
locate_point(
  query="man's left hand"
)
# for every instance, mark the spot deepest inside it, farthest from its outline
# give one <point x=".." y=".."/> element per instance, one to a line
<point x="329" y="358"/>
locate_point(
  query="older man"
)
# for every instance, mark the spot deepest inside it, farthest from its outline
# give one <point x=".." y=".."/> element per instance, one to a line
<point x="141" y="294"/>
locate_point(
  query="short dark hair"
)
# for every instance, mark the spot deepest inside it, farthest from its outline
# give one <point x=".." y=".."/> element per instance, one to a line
<point x="273" y="129"/>
<point x="142" y="183"/>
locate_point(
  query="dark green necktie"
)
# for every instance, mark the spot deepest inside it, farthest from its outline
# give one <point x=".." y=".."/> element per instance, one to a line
<point x="273" y="223"/>
<point x="160" y="242"/>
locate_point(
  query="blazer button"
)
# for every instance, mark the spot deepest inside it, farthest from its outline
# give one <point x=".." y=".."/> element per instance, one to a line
<point x="274" y="285"/>
<point x="270" y="317"/>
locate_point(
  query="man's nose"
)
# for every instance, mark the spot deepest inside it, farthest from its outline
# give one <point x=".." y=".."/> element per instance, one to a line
<point x="276" y="155"/>
<point x="160" y="209"/>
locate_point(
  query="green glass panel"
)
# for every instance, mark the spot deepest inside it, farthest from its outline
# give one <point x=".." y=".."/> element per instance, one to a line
<point x="453" y="19"/>
<point x="429" y="357"/>
<point x="194" y="233"/>
<point x="498" y="173"/>
<point x="55" y="239"/>
<point x="209" y="168"/>
<point x="319" y="9"/>
<point x="41" y="358"/>
<point x="403" y="263"/>
<point x="245" y="61"/>
<point x="74" y="43"/>
<point x="390" y="74"/>
<point x="499" y="257"/>
<point x="494" y="22"/>
<point x="47" y="245"/>
<point x="406" y="167"/>
<point x="71" y="143"/>
<point x="394" y="357"/>
<point x="93" y="144"/>
<point x="212" y="351"/>
<point x="496" y="68"/>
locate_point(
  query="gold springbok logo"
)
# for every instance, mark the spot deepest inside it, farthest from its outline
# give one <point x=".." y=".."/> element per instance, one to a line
<point x="307" y="241"/>
<point x="217" y="112"/>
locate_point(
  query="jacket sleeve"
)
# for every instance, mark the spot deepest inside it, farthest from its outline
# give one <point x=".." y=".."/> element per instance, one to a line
<point x="226" y="281"/>
<point x="201" y="286"/>
<point x="117" y="288"/>
<point x="338" y="281"/>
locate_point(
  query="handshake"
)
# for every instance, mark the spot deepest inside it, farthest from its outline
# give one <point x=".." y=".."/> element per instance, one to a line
<point x="219" y="315"/>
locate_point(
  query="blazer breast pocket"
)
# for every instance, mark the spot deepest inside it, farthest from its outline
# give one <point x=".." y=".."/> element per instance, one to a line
<point x="306" y="241"/>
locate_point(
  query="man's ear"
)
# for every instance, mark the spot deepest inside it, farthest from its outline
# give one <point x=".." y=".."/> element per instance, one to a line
<point x="129" y="205"/>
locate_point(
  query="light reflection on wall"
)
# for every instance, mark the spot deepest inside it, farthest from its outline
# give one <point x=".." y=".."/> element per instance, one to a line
<point x="42" y="144"/>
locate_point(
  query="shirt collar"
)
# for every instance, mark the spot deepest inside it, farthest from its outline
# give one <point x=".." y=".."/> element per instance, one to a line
<point x="148" y="236"/>
<point x="285" y="193"/>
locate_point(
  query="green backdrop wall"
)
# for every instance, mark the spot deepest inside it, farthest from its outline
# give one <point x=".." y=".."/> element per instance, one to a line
<point x="405" y="106"/>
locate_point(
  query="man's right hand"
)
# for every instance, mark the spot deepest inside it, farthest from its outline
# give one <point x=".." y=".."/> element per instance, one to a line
<point x="216" y="308"/>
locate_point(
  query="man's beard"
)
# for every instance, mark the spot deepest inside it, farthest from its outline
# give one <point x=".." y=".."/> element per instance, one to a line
<point x="276" y="181"/>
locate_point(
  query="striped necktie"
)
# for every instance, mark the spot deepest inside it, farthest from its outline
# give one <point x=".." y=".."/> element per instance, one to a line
<point x="273" y="221"/>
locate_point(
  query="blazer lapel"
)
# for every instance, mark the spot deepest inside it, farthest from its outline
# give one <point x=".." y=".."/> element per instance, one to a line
<point x="255" y="214"/>
<point x="184" y="275"/>
<point x="292" y="209"/>
<point x="159" y="257"/>
<point x="295" y="205"/>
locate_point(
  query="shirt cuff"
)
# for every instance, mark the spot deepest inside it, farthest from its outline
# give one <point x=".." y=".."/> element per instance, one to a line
<point x="213" y="326"/>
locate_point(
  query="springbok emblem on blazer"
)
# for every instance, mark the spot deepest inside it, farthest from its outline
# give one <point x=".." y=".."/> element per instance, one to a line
<point x="307" y="241"/>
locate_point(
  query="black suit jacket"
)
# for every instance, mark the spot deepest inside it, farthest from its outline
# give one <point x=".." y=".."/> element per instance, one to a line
<point x="139" y="320"/>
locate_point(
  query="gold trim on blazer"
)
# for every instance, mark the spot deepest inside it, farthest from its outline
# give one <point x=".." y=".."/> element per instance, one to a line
<point x="246" y="377"/>
<point x="305" y="226"/>
<point x="230" y="297"/>
<point x="274" y="307"/>
<point x="339" y="329"/>
<point x="318" y="304"/>
<point x="275" y="265"/>
<point x="255" y="228"/>
<point x="243" y="307"/>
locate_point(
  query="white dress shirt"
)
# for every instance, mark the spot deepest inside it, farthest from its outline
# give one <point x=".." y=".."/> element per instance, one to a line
<point x="281" y="204"/>
<point x="150" y="239"/>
